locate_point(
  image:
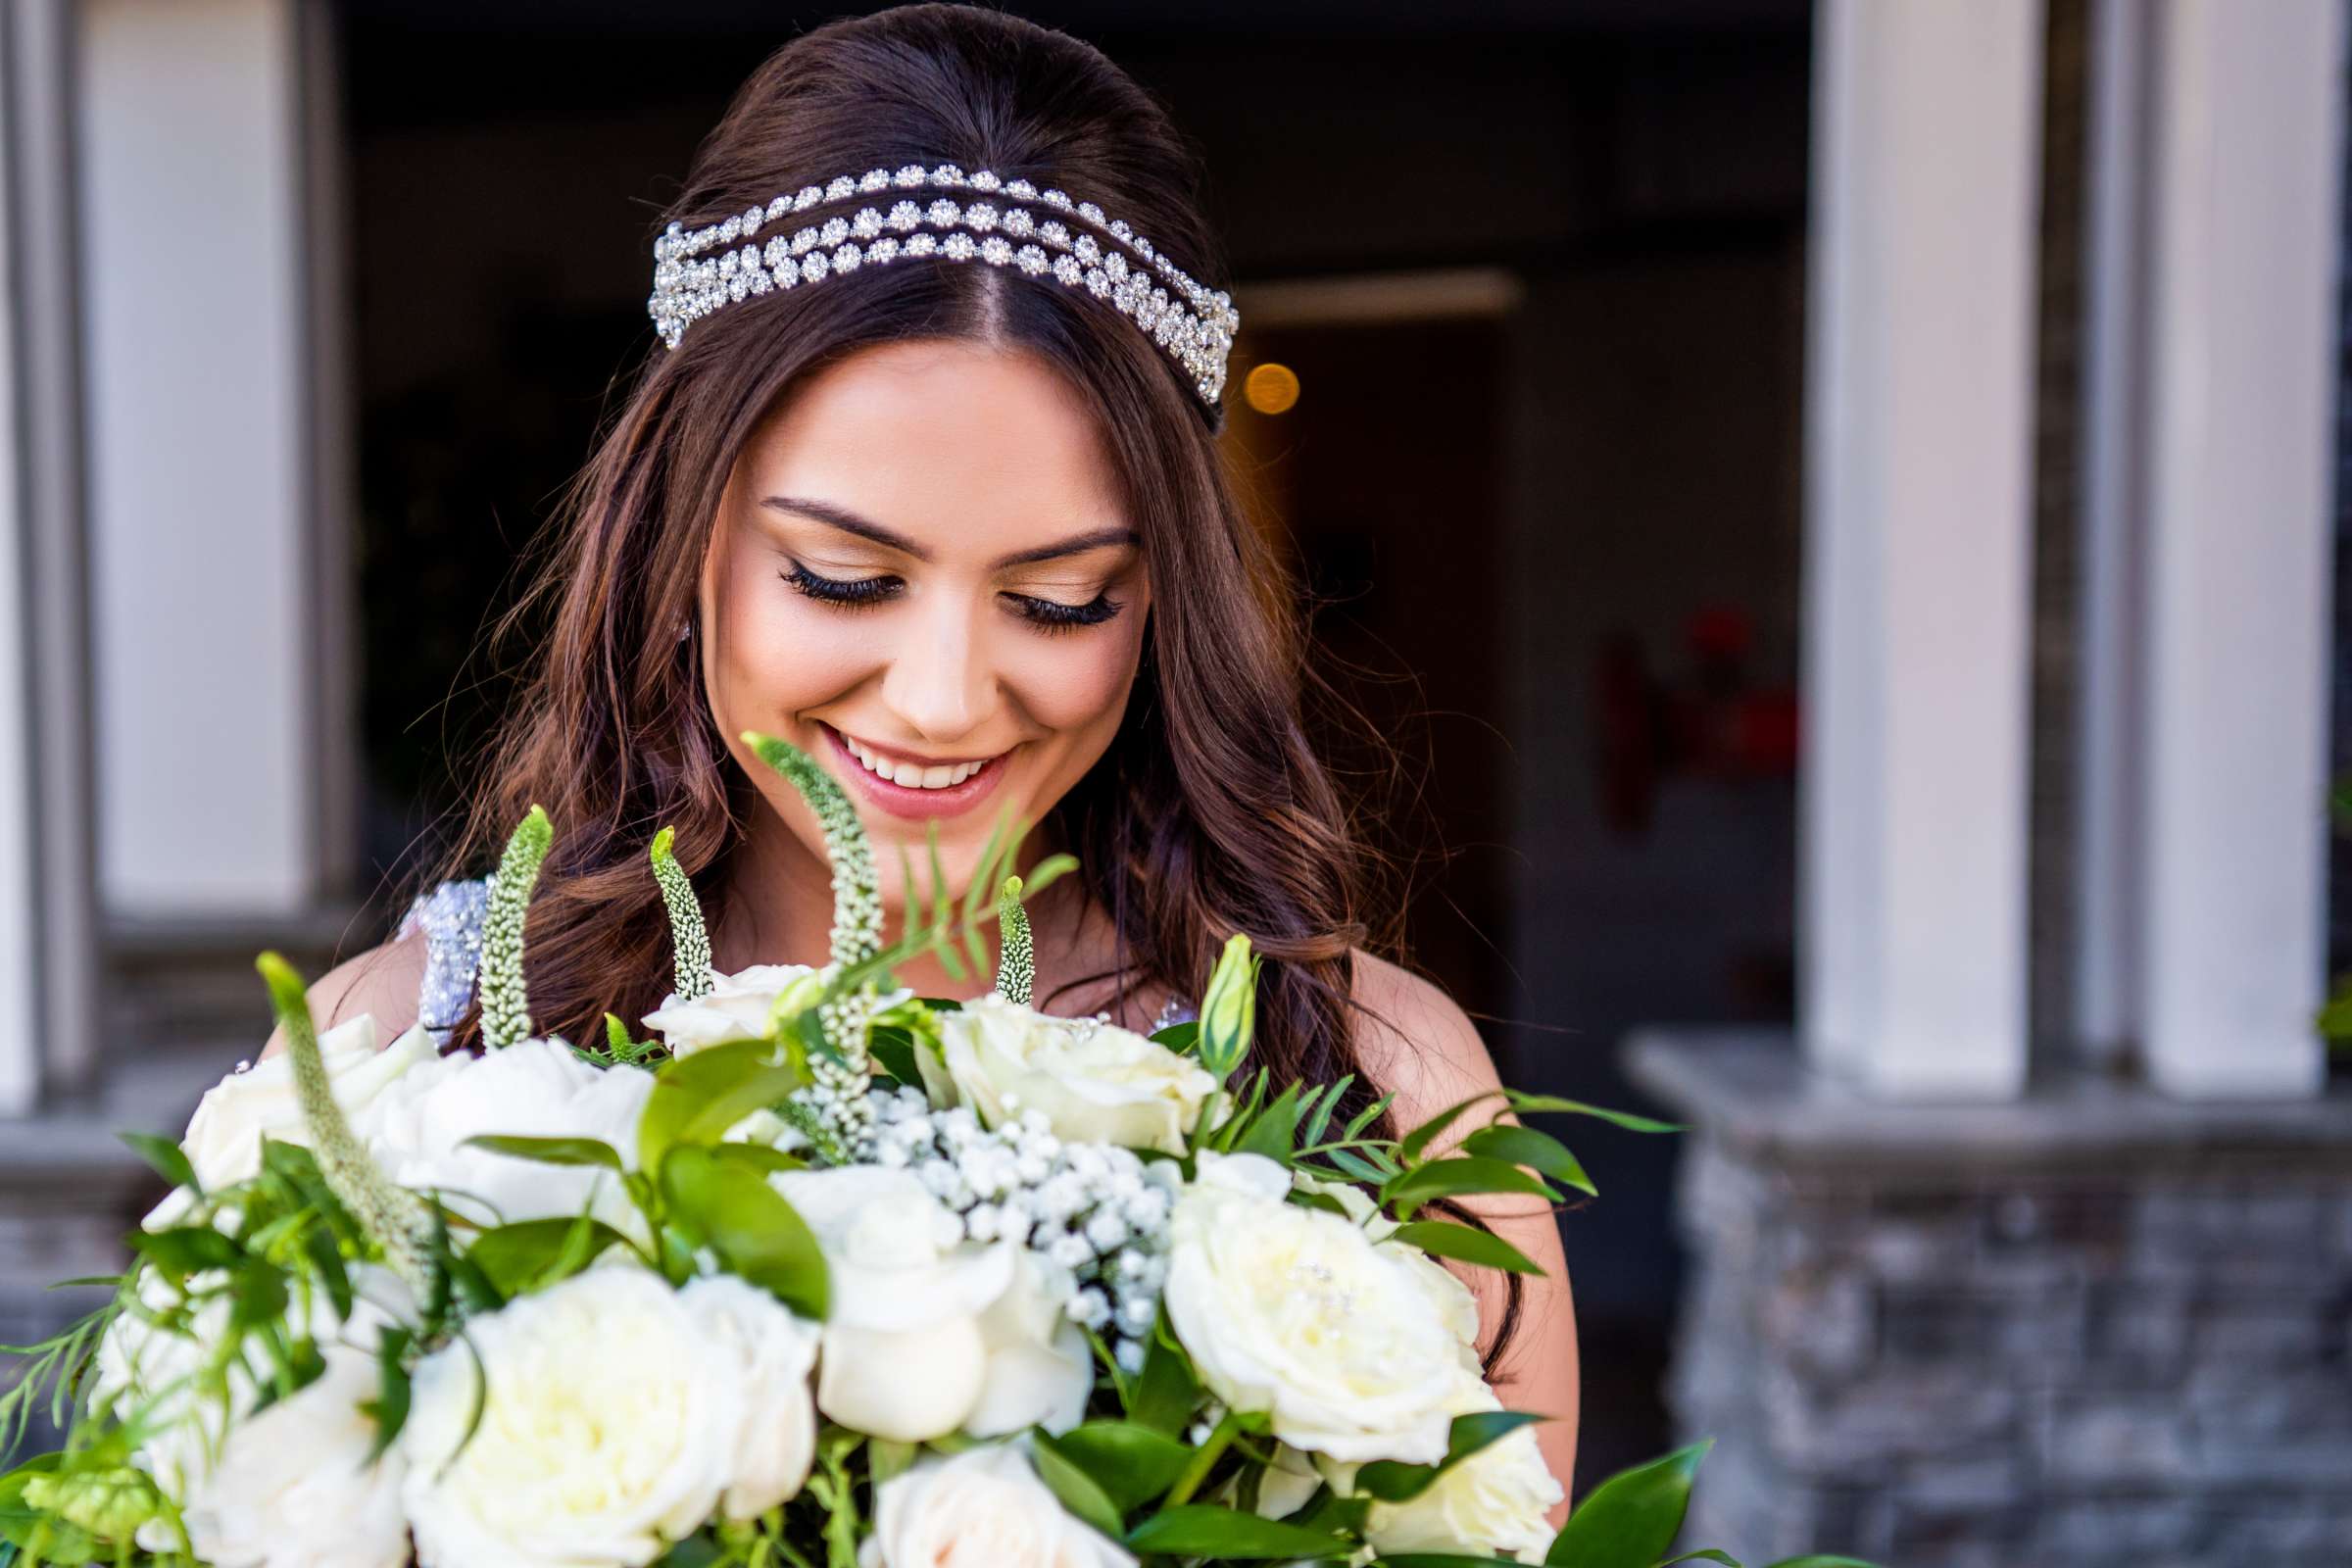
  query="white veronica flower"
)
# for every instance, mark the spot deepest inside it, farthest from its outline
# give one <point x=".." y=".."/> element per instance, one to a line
<point x="617" y="1416"/>
<point x="982" y="1508"/>
<point x="1093" y="1082"/>
<point x="1297" y="1313"/>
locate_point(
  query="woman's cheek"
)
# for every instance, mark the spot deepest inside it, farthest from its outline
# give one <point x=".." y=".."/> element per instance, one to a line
<point x="1077" y="680"/>
<point x="783" y="657"/>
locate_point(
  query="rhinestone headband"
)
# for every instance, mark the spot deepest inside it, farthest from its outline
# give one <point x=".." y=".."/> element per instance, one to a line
<point x="1195" y="325"/>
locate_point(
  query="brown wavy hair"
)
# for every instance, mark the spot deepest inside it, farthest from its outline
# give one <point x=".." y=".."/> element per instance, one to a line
<point x="1209" y="813"/>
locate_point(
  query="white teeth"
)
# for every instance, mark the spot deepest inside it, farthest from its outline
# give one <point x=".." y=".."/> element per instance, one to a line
<point x="912" y="775"/>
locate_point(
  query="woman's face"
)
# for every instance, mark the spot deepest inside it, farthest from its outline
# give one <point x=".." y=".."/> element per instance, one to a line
<point x="921" y="577"/>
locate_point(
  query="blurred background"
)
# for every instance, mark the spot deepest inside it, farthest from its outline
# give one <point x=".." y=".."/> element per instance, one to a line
<point x="1837" y="502"/>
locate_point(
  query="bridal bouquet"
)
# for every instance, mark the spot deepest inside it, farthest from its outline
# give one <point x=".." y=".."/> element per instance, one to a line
<point x="822" y="1273"/>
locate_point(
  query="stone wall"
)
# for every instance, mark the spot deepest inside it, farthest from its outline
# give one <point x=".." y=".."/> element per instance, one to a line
<point x="2091" y="1328"/>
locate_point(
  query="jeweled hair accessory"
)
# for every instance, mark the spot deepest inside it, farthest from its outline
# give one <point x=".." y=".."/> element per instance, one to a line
<point x="1195" y="325"/>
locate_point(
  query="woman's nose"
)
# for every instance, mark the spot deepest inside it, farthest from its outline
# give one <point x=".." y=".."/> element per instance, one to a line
<point x="939" y="682"/>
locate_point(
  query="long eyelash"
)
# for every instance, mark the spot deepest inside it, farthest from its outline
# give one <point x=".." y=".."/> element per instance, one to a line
<point x="1051" y="617"/>
<point x="848" y="594"/>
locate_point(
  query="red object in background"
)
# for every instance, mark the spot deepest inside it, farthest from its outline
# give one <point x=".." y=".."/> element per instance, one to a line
<point x="1714" y="720"/>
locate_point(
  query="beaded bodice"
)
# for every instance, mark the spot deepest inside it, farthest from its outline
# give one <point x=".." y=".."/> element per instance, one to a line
<point x="451" y="919"/>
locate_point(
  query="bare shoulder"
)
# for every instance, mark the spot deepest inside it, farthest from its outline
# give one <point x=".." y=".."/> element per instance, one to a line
<point x="384" y="980"/>
<point x="1415" y="1040"/>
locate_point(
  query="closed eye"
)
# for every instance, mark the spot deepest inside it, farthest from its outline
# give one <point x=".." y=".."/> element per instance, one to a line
<point x="1053" y="616"/>
<point x="849" y="592"/>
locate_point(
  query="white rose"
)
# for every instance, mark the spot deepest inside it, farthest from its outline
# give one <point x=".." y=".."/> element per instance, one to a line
<point x="1493" y="1502"/>
<point x="982" y="1508"/>
<point x="1453" y="1298"/>
<point x="294" y="1486"/>
<point x="223" y="1141"/>
<point x="737" y="1007"/>
<point x="617" y="1416"/>
<point x="1096" y="1083"/>
<point x="288" y="1486"/>
<point x="534" y="1089"/>
<point x="927" y="1332"/>
<point x="1297" y="1313"/>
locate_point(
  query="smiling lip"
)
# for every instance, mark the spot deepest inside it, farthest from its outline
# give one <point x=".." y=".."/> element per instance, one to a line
<point x="913" y="803"/>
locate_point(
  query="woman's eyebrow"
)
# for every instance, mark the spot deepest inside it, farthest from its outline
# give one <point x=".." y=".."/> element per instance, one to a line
<point x="847" y="522"/>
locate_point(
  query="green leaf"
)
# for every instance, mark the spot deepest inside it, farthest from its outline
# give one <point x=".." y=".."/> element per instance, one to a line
<point x="186" y="1250"/>
<point x="697" y="1098"/>
<point x="389" y="1409"/>
<point x="1633" y="1517"/>
<point x="1454" y="1177"/>
<point x="893" y="1051"/>
<point x="549" y="1150"/>
<point x="534" y="1254"/>
<point x="1273" y="1133"/>
<point x="1392" y="1481"/>
<point x="1441" y="1237"/>
<point x="1167" y="1390"/>
<point x="1537" y="1150"/>
<point x="1410" y="1148"/>
<point x="1706" y="1555"/>
<point x="1130" y="1462"/>
<point x="1180" y="1038"/>
<point x="167" y="1159"/>
<point x="753" y="1231"/>
<point x="1632" y="1123"/>
<point x="1203" y="1530"/>
<point x="1076" y="1489"/>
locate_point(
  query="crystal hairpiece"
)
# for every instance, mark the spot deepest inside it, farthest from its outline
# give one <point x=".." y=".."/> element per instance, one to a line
<point x="1195" y="325"/>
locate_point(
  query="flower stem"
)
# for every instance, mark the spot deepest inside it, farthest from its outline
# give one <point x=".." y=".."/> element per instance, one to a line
<point x="1205" y="1459"/>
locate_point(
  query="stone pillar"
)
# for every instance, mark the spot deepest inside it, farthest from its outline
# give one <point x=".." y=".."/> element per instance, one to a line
<point x="1920" y="391"/>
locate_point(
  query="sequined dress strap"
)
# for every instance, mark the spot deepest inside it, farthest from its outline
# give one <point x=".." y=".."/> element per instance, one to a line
<point x="451" y="919"/>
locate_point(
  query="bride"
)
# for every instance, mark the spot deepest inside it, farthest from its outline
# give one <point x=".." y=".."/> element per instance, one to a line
<point x="959" y="531"/>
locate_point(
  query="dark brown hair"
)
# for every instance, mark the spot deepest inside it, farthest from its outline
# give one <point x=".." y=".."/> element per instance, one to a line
<point x="1209" y="813"/>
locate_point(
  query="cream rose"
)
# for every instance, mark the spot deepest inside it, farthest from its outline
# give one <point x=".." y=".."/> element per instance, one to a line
<point x="295" y="1486"/>
<point x="1297" y="1313"/>
<point x="738" y="1007"/>
<point x="417" y="1133"/>
<point x="223" y="1141"/>
<point x="982" y="1508"/>
<point x="617" y="1416"/>
<point x="288" y="1488"/>
<point x="929" y="1333"/>
<point x="1096" y="1083"/>
<point x="1493" y="1502"/>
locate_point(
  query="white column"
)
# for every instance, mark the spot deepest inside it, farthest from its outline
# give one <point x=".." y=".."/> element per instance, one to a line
<point x="2243" y="336"/>
<point x="20" y="1049"/>
<point x="201" y="548"/>
<point x="48" y="924"/>
<point x="1927" y="154"/>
